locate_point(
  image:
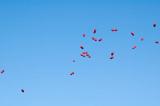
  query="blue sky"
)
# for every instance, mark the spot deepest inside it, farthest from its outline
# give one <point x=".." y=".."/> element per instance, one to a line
<point x="40" y="38"/>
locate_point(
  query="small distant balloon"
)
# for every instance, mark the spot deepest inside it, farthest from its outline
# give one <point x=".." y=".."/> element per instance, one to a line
<point x="132" y="33"/>
<point x="134" y="47"/>
<point x="72" y="73"/>
<point x="22" y="90"/>
<point x="154" y="25"/>
<point x="2" y="71"/>
<point x="114" y="30"/>
<point x="141" y="39"/>
<point x="94" y="31"/>
<point x="84" y="35"/>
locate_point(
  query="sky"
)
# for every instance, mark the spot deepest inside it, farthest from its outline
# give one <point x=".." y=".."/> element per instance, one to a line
<point x="40" y="38"/>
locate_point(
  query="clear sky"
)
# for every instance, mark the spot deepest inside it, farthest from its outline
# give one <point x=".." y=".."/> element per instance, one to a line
<point x="40" y="38"/>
